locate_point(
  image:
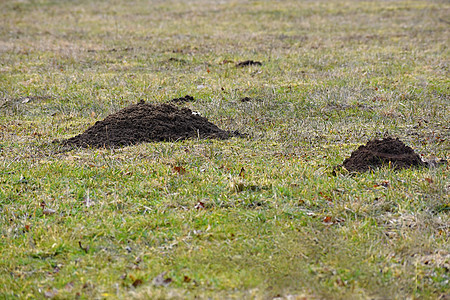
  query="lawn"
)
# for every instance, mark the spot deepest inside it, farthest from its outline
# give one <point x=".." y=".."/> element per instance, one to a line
<point x="260" y="217"/>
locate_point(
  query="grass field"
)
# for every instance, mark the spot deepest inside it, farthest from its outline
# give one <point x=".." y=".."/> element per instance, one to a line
<point x="107" y="224"/>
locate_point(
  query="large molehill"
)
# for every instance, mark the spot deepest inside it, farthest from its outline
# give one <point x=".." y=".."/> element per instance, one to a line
<point x="144" y="122"/>
<point x="387" y="152"/>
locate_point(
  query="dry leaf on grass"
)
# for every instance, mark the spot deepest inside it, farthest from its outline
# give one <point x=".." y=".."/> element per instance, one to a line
<point x="199" y="205"/>
<point x="180" y="170"/>
<point x="328" y="220"/>
<point x="137" y="283"/>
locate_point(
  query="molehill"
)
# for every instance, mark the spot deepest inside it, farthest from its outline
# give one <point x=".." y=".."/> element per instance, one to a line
<point x="387" y="152"/>
<point x="144" y="122"/>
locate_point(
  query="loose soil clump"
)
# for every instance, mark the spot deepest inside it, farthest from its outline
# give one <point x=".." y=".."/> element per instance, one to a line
<point x="248" y="99"/>
<point x="184" y="99"/>
<point x="144" y="122"/>
<point x="378" y="153"/>
<point x="248" y="63"/>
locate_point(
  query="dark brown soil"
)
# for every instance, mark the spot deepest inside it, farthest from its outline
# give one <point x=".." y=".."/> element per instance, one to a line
<point x="378" y="153"/>
<point x="178" y="60"/>
<point x="248" y="99"/>
<point x="248" y="63"/>
<point x="186" y="98"/>
<point x="144" y="122"/>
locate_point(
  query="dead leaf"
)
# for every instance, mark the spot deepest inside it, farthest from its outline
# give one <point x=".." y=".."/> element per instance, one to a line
<point x="225" y="168"/>
<point x="180" y="170"/>
<point x="199" y="205"/>
<point x="137" y="283"/>
<point x="328" y="198"/>
<point x="340" y="282"/>
<point x="429" y="180"/>
<point x="161" y="281"/>
<point x="327" y="220"/>
<point x="186" y="279"/>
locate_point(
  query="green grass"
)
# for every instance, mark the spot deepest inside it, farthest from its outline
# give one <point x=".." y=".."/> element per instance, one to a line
<point x="102" y="224"/>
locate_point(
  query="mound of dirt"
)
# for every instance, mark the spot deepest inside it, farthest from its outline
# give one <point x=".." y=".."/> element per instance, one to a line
<point x="144" y="122"/>
<point x="377" y="153"/>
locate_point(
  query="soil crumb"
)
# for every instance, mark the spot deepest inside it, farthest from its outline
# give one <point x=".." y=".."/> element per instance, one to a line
<point x="378" y="153"/>
<point x="248" y="63"/>
<point x="248" y="99"/>
<point x="177" y="60"/>
<point x="186" y="98"/>
<point x="144" y="122"/>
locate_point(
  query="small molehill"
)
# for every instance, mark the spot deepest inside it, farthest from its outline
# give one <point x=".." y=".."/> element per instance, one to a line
<point x="247" y="63"/>
<point x="144" y="122"/>
<point x="378" y="153"/>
